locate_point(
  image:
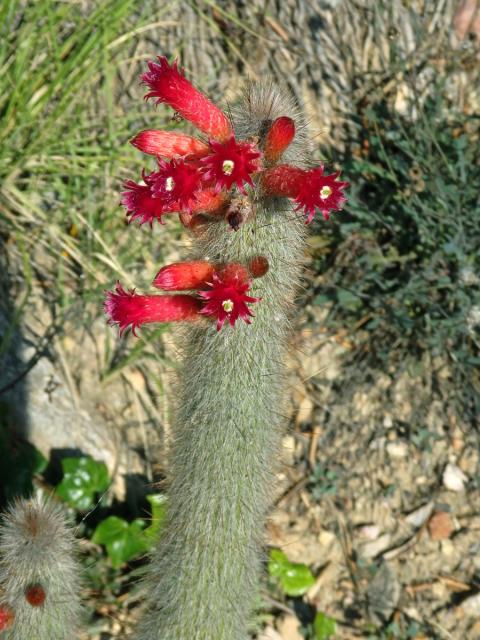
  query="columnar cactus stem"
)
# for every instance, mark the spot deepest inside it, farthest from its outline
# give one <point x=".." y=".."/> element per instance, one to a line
<point x="228" y="424"/>
<point x="226" y="442"/>
<point x="39" y="575"/>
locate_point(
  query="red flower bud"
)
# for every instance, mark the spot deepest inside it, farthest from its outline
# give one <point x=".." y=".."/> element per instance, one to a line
<point x="7" y="617"/>
<point x="184" y="275"/>
<point x="258" y="266"/>
<point x="168" y="144"/>
<point x="35" y="595"/>
<point x="169" y="85"/>
<point x="279" y="136"/>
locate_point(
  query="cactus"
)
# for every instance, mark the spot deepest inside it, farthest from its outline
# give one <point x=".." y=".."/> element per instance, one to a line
<point x="233" y="194"/>
<point x="39" y="576"/>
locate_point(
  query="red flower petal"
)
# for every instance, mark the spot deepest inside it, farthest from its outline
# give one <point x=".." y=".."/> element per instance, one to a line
<point x="168" y="144"/>
<point x="309" y="188"/>
<point x="231" y="163"/>
<point x="322" y="192"/>
<point x="169" y="85"/>
<point x="227" y="299"/>
<point x="184" y="275"/>
<point x="127" y="308"/>
<point x="279" y="136"/>
<point x="175" y="184"/>
<point x="140" y="203"/>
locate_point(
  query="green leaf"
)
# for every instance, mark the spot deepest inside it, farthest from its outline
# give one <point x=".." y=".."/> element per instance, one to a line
<point x="323" y="626"/>
<point x="83" y="478"/>
<point x="158" y="503"/>
<point x="123" y="540"/>
<point x="295" y="578"/>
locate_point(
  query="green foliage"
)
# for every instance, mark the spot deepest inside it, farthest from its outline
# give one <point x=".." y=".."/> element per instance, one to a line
<point x="158" y="504"/>
<point x="324" y="627"/>
<point x="83" y="479"/>
<point x="323" y="481"/>
<point x="123" y="540"/>
<point x="295" y="578"/>
<point x="404" y="265"/>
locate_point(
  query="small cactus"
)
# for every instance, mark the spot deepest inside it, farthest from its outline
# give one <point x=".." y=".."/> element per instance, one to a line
<point x="39" y="576"/>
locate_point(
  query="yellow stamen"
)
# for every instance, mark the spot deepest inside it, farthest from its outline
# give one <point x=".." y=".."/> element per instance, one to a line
<point x="227" y="167"/>
<point x="227" y="305"/>
<point x="325" y="192"/>
<point x="169" y="184"/>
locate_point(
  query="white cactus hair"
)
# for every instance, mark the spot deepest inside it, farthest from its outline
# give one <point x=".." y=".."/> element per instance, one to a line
<point x="38" y="547"/>
<point x="203" y="578"/>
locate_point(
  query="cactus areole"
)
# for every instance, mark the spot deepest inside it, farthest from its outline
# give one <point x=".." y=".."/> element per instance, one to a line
<point x="244" y="189"/>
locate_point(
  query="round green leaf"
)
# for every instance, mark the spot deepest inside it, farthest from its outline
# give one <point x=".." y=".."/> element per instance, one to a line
<point x="82" y="479"/>
<point x="295" y="578"/>
<point x="323" y="626"/>
<point x="123" y="540"/>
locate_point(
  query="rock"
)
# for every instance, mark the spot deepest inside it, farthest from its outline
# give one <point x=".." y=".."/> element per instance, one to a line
<point x="369" y="531"/>
<point x="453" y="478"/>
<point x="43" y="409"/>
<point x="397" y="449"/>
<point x="471" y="606"/>
<point x="375" y="548"/>
<point x="289" y="628"/>
<point x="383" y="594"/>
<point x="420" y="516"/>
<point x="441" y="526"/>
<point x="270" y="634"/>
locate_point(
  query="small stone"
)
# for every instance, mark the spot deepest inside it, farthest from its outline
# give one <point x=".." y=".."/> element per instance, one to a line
<point x="453" y="478"/>
<point x="420" y="516"/>
<point x="471" y="606"/>
<point x="375" y="548"/>
<point x="441" y="526"/>
<point x="369" y="531"/>
<point x="289" y="628"/>
<point x="447" y="548"/>
<point x="397" y="449"/>
<point x="270" y="634"/>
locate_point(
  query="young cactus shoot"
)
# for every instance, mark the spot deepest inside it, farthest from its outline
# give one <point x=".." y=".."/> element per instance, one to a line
<point x="244" y="189"/>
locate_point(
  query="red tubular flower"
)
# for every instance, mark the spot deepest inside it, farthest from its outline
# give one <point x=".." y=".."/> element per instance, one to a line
<point x="283" y="181"/>
<point x="35" y="595"/>
<point x="127" y="308"/>
<point x="7" y="616"/>
<point x="231" y="163"/>
<point x="184" y="275"/>
<point x="175" y="184"/>
<point x="279" y="136"/>
<point x="227" y="299"/>
<point x="323" y="192"/>
<point x="309" y="188"/>
<point x="169" y="85"/>
<point x="169" y="144"/>
<point x="140" y="203"/>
